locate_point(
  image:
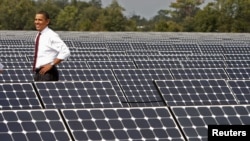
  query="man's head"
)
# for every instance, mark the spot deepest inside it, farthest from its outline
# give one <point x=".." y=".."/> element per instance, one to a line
<point x="41" y="20"/>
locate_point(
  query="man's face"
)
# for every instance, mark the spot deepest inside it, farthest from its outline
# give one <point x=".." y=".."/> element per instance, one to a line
<point x="40" y="22"/>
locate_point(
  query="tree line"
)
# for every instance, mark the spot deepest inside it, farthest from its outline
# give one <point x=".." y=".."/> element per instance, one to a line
<point x="77" y="15"/>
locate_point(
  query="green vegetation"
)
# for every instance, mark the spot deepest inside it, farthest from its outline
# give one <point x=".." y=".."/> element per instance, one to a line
<point x="76" y="15"/>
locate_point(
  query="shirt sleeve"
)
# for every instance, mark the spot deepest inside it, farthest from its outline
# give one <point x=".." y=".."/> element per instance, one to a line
<point x="60" y="47"/>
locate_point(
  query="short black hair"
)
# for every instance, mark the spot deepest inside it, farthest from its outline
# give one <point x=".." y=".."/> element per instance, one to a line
<point x="45" y="13"/>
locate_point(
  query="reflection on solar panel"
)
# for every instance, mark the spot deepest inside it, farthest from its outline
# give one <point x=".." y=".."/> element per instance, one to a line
<point x="138" y="85"/>
<point x="241" y="88"/>
<point x="194" y="120"/>
<point x="203" y="63"/>
<point x="199" y="73"/>
<point x="92" y="75"/>
<point x="18" y="96"/>
<point x="81" y="94"/>
<point x="32" y="125"/>
<point x="161" y="64"/>
<point x="122" y="124"/>
<point x="111" y="64"/>
<point x="195" y="92"/>
<point x="17" y="75"/>
<point x="238" y="73"/>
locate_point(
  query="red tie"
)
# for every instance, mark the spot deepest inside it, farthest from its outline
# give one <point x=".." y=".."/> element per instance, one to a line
<point x="36" y="50"/>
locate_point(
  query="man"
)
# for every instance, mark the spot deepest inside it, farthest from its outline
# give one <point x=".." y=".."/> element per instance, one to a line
<point x="50" y="50"/>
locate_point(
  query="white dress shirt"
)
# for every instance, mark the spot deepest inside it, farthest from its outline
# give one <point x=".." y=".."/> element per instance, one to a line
<point x="50" y="46"/>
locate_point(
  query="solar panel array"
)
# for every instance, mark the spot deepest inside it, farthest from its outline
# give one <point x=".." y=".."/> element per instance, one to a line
<point x="126" y="86"/>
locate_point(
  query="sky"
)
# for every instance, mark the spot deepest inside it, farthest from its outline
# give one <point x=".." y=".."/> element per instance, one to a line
<point x="144" y="8"/>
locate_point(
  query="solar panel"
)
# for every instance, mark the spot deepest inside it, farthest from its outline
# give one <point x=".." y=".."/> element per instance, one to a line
<point x="122" y="124"/>
<point x="92" y="75"/>
<point x="167" y="57"/>
<point x="199" y="73"/>
<point x="187" y="47"/>
<point x="194" y="120"/>
<point x="238" y="73"/>
<point x="211" y="48"/>
<point x="13" y="58"/>
<point x="139" y="46"/>
<point x="128" y="57"/>
<point x="17" y="75"/>
<point x="32" y="125"/>
<point x="118" y="46"/>
<point x="111" y="64"/>
<point x="17" y="65"/>
<point x="161" y="64"/>
<point x="237" y="63"/>
<point x="73" y="65"/>
<point x="142" y="52"/>
<point x="138" y="86"/>
<point x="241" y="89"/>
<point x="108" y="52"/>
<point x="205" y="57"/>
<point x="195" y="92"/>
<point x="203" y="63"/>
<point x="18" y="96"/>
<point x="237" y="56"/>
<point x="160" y="47"/>
<point x="78" y="94"/>
<point x="176" y="52"/>
<point x="89" y="58"/>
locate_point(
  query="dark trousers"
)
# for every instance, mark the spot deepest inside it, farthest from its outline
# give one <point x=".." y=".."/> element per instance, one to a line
<point x="51" y="75"/>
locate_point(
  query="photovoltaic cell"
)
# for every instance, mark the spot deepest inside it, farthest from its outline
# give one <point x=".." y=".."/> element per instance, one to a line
<point x="194" y="120"/>
<point x="199" y="73"/>
<point x="205" y="57"/>
<point x="78" y="94"/>
<point x="122" y="124"/>
<point x="89" y="58"/>
<point x="18" y="96"/>
<point x="32" y="125"/>
<point x="195" y="92"/>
